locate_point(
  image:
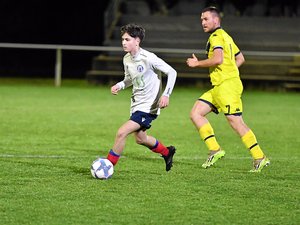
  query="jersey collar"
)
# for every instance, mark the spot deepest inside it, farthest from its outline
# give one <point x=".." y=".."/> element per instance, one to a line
<point x="215" y="30"/>
<point x="136" y="56"/>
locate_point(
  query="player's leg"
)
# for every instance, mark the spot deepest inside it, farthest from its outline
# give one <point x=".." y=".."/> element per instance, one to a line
<point x="249" y="140"/>
<point x="198" y="113"/>
<point x="120" y="140"/>
<point x="145" y="120"/>
<point x="156" y="146"/>
<point x="231" y="104"/>
<point x="152" y="143"/>
<point x="237" y="123"/>
<point x="198" y="116"/>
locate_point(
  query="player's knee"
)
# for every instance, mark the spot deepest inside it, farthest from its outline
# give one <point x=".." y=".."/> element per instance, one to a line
<point x="193" y="115"/>
<point x="236" y="122"/>
<point x="139" y="141"/>
<point x="121" y="134"/>
<point x="232" y="121"/>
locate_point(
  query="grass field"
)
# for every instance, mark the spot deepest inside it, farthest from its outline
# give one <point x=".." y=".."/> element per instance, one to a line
<point x="49" y="137"/>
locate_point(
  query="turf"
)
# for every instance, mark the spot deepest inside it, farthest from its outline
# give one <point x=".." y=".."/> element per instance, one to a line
<point x="49" y="137"/>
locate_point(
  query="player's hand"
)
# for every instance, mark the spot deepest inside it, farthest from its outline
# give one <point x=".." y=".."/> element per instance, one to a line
<point x="163" y="102"/>
<point x="192" y="62"/>
<point x="115" y="89"/>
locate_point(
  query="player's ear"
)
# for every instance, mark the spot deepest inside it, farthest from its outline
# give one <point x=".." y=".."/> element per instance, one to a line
<point x="138" y="40"/>
<point x="217" y="20"/>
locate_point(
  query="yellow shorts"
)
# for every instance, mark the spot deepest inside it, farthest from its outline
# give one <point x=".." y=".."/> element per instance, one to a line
<point x="225" y="97"/>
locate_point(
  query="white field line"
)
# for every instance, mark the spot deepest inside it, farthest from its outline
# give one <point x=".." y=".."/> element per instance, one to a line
<point x="39" y="156"/>
<point x="152" y="157"/>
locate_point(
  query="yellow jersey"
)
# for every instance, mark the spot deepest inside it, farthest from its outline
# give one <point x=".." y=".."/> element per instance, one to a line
<point x="228" y="69"/>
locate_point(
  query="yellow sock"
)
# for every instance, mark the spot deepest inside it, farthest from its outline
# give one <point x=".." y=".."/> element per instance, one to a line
<point x="207" y="134"/>
<point x="250" y="142"/>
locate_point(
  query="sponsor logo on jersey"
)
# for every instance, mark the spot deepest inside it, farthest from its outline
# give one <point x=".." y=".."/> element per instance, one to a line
<point x="140" y="68"/>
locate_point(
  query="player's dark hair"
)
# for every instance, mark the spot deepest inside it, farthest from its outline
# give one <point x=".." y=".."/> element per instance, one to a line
<point x="213" y="10"/>
<point x="133" y="30"/>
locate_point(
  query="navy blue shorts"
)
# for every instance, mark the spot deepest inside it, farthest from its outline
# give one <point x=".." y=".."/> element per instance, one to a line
<point x="143" y="119"/>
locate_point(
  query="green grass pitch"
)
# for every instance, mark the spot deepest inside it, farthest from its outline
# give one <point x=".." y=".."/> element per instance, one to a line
<point x="50" y="136"/>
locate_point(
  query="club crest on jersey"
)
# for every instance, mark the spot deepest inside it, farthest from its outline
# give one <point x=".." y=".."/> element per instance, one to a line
<point x="140" y="68"/>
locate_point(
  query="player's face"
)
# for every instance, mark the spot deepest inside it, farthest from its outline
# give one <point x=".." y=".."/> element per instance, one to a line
<point x="209" y="21"/>
<point x="130" y="44"/>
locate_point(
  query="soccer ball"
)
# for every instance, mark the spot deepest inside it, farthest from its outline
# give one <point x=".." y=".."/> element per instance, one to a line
<point x="102" y="169"/>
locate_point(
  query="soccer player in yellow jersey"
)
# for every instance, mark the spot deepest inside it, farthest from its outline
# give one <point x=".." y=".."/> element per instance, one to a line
<point x="224" y="58"/>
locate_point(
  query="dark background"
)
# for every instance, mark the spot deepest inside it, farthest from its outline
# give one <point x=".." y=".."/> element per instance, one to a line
<point x="49" y="22"/>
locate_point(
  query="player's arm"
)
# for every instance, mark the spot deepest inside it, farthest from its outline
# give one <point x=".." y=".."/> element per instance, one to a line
<point x="122" y="84"/>
<point x="164" y="100"/>
<point x="171" y="73"/>
<point x="216" y="59"/>
<point x="239" y="59"/>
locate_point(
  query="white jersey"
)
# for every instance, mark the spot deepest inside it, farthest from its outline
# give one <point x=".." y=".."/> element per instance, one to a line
<point x="143" y="72"/>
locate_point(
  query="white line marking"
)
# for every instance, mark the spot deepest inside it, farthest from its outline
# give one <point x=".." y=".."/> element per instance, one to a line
<point x="152" y="157"/>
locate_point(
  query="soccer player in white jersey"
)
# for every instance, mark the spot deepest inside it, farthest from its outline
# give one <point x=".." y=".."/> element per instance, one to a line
<point x="142" y="71"/>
